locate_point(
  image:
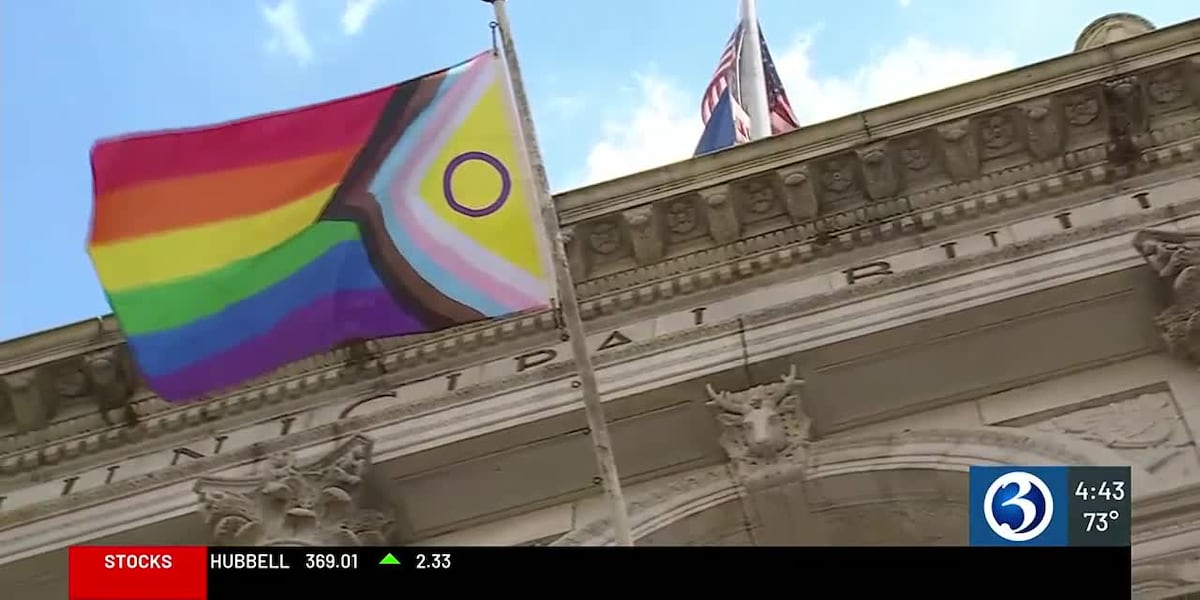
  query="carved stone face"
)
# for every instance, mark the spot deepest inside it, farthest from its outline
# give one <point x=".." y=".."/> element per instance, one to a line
<point x="761" y="197"/>
<point x="1165" y="88"/>
<point x="914" y="155"/>
<point x="681" y="217"/>
<point x="603" y="237"/>
<point x="997" y="131"/>
<point x="1081" y="109"/>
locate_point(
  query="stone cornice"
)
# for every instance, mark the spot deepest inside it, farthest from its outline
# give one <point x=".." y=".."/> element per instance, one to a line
<point x="688" y="337"/>
<point x="834" y="230"/>
<point x="1064" y="72"/>
<point x="338" y="380"/>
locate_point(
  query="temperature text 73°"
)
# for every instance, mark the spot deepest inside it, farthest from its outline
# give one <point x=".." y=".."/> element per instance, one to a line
<point x="1098" y="521"/>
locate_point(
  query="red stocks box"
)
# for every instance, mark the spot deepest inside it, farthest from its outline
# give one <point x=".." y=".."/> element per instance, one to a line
<point x="138" y="573"/>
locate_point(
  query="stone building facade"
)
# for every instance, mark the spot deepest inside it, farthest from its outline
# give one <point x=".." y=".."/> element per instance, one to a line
<point x="1003" y="272"/>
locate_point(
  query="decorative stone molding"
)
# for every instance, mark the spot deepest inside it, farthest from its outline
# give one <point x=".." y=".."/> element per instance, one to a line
<point x="289" y="395"/>
<point x="316" y="504"/>
<point x="1175" y="258"/>
<point x="764" y="424"/>
<point x="246" y="402"/>
<point x="106" y="377"/>
<point x="604" y="239"/>
<point x="1126" y="118"/>
<point x="645" y="233"/>
<point x="683" y="219"/>
<point x="1169" y="140"/>
<point x="722" y="218"/>
<point x="959" y="152"/>
<point x="676" y="498"/>
<point x="801" y="199"/>
<point x="934" y="449"/>
<point x="760" y="198"/>
<point x="879" y="171"/>
<point x="1043" y="127"/>
<point x="26" y="393"/>
<point x="1146" y="430"/>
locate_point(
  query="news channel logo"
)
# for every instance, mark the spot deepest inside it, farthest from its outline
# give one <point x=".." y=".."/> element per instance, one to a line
<point x="1018" y="506"/>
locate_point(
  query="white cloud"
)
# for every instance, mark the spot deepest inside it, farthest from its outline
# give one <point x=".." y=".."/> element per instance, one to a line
<point x="905" y="3"/>
<point x="355" y="15"/>
<point x="286" y="33"/>
<point x="662" y="129"/>
<point x="665" y="125"/>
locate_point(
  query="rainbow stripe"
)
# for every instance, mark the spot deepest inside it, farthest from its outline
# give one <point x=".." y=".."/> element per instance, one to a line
<point x="231" y="250"/>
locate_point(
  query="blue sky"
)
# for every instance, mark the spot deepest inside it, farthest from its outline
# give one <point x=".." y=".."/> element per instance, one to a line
<point x="615" y="85"/>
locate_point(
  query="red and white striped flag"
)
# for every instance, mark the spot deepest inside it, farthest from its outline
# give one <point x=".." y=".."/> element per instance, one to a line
<point x="783" y="118"/>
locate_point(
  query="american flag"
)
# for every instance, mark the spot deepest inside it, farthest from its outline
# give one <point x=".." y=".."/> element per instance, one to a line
<point x="783" y="119"/>
<point x="726" y="66"/>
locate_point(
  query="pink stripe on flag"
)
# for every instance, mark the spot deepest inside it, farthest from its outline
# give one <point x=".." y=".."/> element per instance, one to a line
<point x="498" y="290"/>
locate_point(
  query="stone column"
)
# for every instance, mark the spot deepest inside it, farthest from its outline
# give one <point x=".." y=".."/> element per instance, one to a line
<point x="321" y="503"/>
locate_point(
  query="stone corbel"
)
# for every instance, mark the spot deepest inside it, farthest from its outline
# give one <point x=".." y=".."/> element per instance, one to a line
<point x="960" y="154"/>
<point x="1191" y="76"/>
<point x="1175" y="258"/>
<point x="111" y="383"/>
<point x="576" y="258"/>
<point x="722" y="218"/>
<point x="1043" y="128"/>
<point x="31" y="405"/>
<point x="799" y="195"/>
<point x="645" y="234"/>
<point x="1126" y="118"/>
<point x="878" y="170"/>
<point x="322" y="503"/>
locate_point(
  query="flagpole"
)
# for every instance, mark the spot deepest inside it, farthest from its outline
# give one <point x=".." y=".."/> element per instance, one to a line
<point x="597" y="424"/>
<point x="753" y="84"/>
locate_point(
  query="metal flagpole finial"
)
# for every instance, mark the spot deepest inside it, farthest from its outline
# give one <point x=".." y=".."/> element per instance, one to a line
<point x="495" y="41"/>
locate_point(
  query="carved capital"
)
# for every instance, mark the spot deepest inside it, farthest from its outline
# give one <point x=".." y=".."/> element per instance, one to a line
<point x="960" y="154"/>
<point x="1043" y="128"/>
<point x="1175" y="258"/>
<point x="317" y="504"/>
<point x="799" y="195"/>
<point x="645" y="234"/>
<point x="764" y="425"/>
<point x="719" y="211"/>
<point x="878" y="170"/>
<point x="30" y="404"/>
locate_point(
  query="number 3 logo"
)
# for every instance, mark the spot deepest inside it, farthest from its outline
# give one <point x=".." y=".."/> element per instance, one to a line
<point x="1018" y="506"/>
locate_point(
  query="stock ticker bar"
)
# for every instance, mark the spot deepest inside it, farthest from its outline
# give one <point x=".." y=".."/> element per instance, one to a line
<point x="198" y="573"/>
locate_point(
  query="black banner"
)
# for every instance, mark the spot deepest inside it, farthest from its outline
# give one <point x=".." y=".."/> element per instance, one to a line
<point x="952" y="572"/>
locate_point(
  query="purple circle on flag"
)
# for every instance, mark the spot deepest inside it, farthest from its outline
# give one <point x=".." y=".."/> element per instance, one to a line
<point x="505" y="184"/>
